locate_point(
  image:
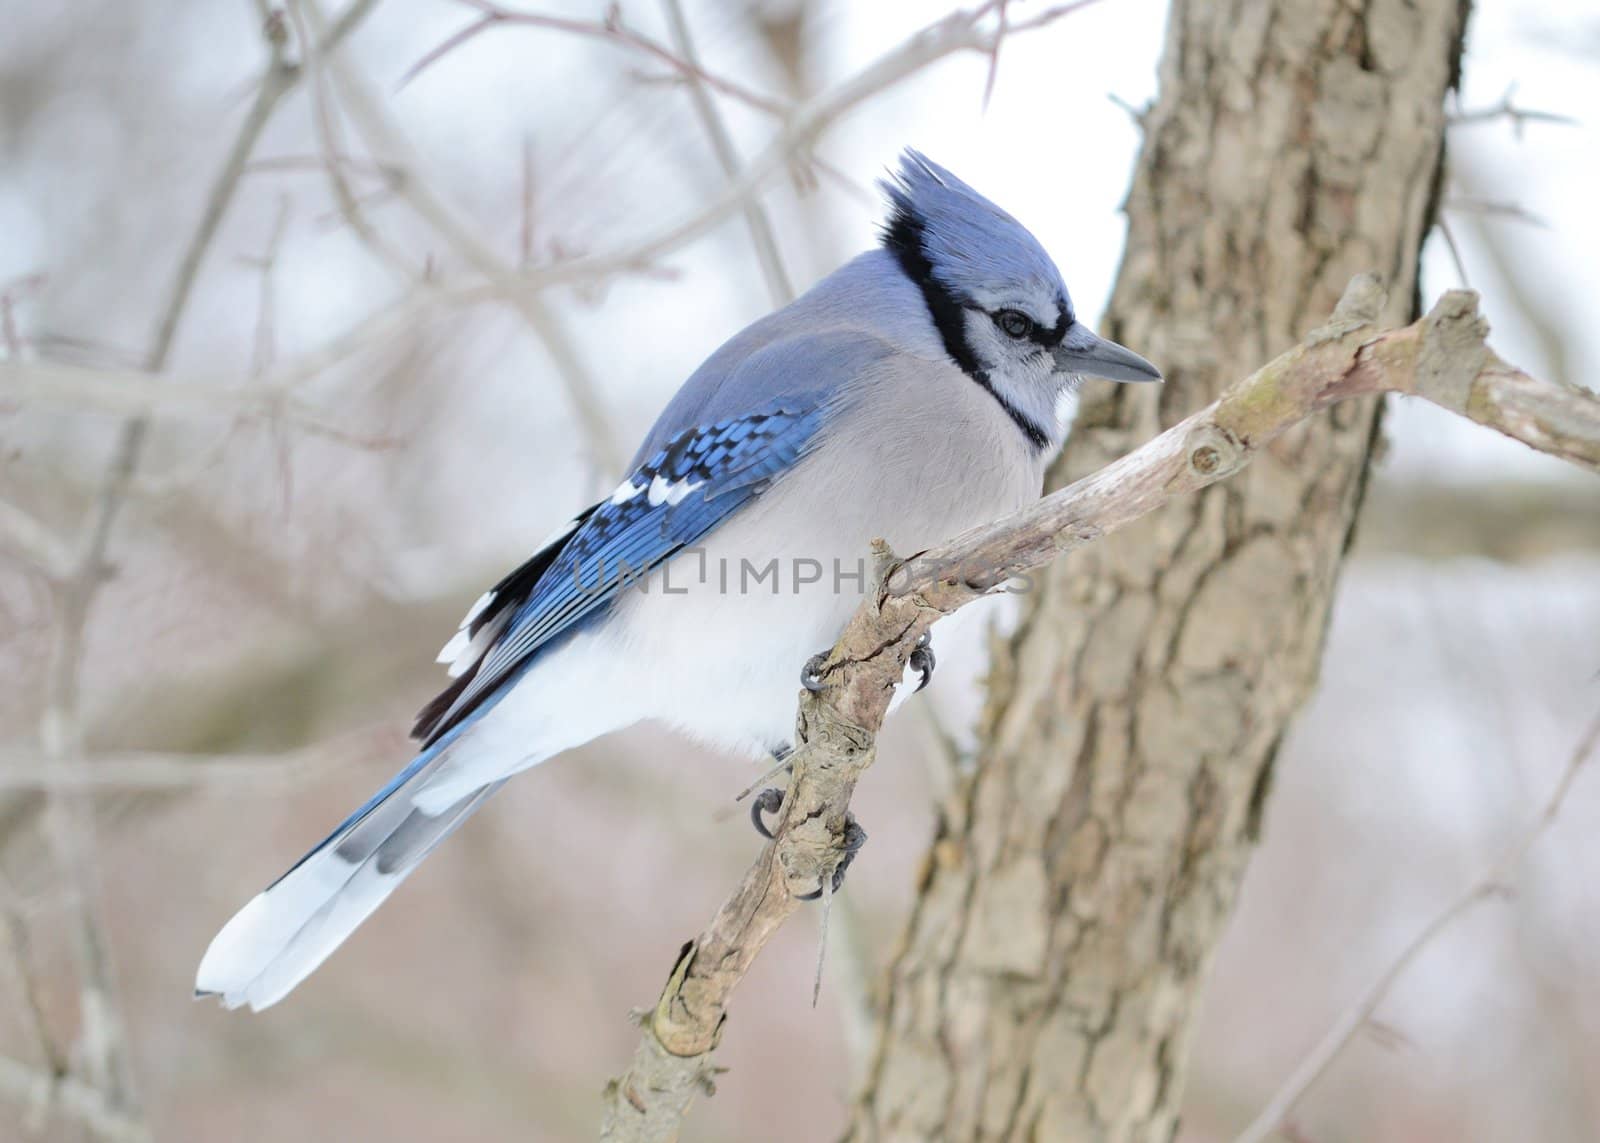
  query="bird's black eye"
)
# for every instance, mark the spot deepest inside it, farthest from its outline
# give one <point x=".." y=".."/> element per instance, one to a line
<point x="1014" y="323"/>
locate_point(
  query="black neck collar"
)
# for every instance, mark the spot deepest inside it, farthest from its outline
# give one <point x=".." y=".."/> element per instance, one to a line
<point x="903" y="237"/>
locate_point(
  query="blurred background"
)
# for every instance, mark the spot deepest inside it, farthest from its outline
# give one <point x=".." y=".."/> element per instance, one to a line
<point x="355" y="443"/>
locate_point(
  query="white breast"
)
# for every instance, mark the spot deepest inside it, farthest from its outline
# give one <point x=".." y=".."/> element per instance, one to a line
<point x="722" y="634"/>
<point x="713" y="642"/>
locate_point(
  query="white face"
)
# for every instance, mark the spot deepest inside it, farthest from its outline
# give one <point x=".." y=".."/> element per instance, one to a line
<point x="1009" y="335"/>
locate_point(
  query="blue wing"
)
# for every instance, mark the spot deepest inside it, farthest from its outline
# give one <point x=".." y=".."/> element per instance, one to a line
<point x="744" y="416"/>
<point x="701" y="477"/>
<point x="767" y="365"/>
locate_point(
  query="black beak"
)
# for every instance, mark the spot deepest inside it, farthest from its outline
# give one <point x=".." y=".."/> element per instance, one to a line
<point x="1084" y="351"/>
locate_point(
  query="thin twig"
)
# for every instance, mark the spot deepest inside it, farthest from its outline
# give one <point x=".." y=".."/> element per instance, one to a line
<point x="317" y="165"/>
<point x="959" y="32"/>
<point x="1507" y="109"/>
<point x="386" y="142"/>
<point x="263" y="344"/>
<point x="264" y="350"/>
<point x="1450" y="244"/>
<point x="146" y="770"/>
<point x="994" y="53"/>
<point x="822" y="938"/>
<point x="69" y="822"/>
<point x="610" y="30"/>
<point x="780" y="767"/>
<point x="140" y="394"/>
<point x="1493" y="883"/>
<point x="21" y="960"/>
<point x="351" y="206"/>
<point x="525" y="233"/>
<point x="31" y="538"/>
<point x="779" y="287"/>
<point x="1497" y="209"/>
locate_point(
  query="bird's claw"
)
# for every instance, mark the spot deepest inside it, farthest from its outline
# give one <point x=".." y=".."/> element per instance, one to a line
<point x="922" y="659"/>
<point x="770" y="800"/>
<point x="811" y="673"/>
<point x="767" y="802"/>
<point x="854" y="838"/>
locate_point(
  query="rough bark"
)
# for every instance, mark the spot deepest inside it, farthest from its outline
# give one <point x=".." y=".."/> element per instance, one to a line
<point x="1442" y="358"/>
<point x="1076" y="888"/>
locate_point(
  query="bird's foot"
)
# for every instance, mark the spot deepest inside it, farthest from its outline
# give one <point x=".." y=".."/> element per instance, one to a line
<point x="767" y="802"/>
<point x="854" y="838"/>
<point x="922" y="659"/>
<point x="770" y="800"/>
<point x="811" y="673"/>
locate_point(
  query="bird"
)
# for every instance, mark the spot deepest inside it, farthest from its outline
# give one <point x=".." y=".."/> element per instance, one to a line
<point x="919" y="390"/>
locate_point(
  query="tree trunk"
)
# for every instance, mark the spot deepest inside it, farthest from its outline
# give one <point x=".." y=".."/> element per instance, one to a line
<point x="1076" y="888"/>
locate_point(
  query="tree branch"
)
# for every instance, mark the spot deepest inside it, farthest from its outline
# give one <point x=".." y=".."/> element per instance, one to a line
<point x="1442" y="358"/>
<point x="32" y="539"/>
<point x="387" y="145"/>
<point x="1275" y="1116"/>
<point x="960" y="32"/>
<point x="612" y="30"/>
<point x="158" y="770"/>
<point x="69" y="826"/>
<point x="762" y="236"/>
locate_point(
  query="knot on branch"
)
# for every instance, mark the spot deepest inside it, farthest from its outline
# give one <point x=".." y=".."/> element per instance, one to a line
<point x="832" y="752"/>
<point x="812" y="852"/>
<point x="833" y="737"/>
<point x="1212" y="452"/>
<point x="1360" y="305"/>
<point x="1454" y="350"/>
<point x="672" y="1023"/>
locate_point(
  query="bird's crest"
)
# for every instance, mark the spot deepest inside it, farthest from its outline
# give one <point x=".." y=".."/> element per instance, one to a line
<point x="940" y="228"/>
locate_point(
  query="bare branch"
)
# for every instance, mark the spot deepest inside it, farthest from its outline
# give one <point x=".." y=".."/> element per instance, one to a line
<point x="1442" y="358"/>
<point x="31" y="1006"/>
<point x="994" y="53"/>
<point x="351" y="206"/>
<point x="317" y="165"/>
<point x="32" y="539"/>
<point x="779" y="288"/>
<point x="1496" y="209"/>
<point x="131" y="393"/>
<point x="961" y="31"/>
<point x="1492" y="883"/>
<point x="1507" y="109"/>
<point x="525" y="234"/>
<point x="69" y="825"/>
<point x="263" y="347"/>
<point x="610" y="30"/>
<point x="381" y="138"/>
<point x="1450" y="244"/>
<point x="146" y="770"/>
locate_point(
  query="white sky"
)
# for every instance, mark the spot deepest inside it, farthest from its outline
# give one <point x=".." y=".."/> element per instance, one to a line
<point x="1052" y="148"/>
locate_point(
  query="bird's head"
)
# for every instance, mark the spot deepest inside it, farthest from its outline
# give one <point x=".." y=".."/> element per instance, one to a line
<point x="995" y="296"/>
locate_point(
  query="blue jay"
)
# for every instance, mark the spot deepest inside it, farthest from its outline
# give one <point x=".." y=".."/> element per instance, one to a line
<point x="917" y="391"/>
